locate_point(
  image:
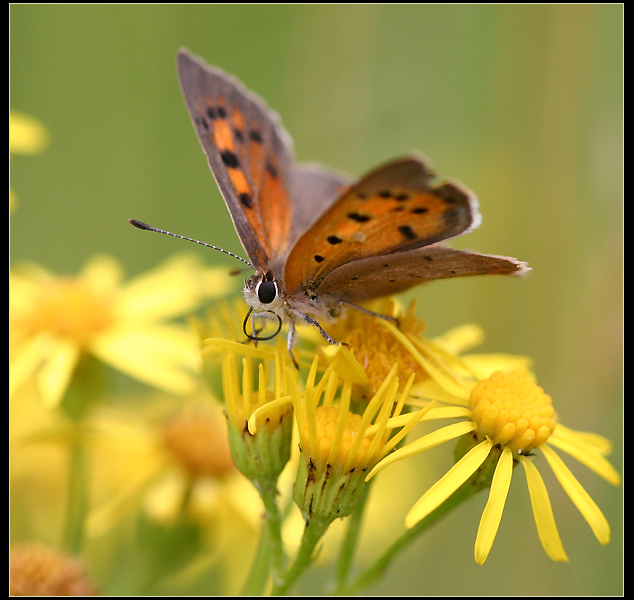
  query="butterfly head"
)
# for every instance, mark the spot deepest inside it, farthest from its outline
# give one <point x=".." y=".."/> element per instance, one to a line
<point x="262" y="292"/>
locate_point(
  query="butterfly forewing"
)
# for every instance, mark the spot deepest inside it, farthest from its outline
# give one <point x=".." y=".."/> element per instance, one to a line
<point x="249" y="152"/>
<point x="314" y="188"/>
<point x="393" y="209"/>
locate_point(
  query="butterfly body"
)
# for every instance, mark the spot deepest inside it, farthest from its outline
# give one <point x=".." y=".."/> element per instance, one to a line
<point x="318" y="241"/>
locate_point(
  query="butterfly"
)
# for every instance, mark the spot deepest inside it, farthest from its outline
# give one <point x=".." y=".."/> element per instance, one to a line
<point x="319" y="242"/>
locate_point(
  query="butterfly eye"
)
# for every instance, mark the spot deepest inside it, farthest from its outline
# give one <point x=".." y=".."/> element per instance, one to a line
<point x="267" y="292"/>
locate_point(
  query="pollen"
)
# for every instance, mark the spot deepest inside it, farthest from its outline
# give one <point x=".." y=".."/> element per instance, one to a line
<point x="337" y="438"/>
<point x="69" y="308"/>
<point x="198" y="442"/>
<point x="377" y="350"/>
<point x="513" y="411"/>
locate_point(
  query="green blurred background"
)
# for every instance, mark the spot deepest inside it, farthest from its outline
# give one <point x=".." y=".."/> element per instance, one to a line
<point x="521" y="103"/>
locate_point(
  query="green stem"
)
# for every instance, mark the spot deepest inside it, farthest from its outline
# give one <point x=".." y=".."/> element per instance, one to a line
<point x="378" y="569"/>
<point x="349" y="544"/>
<point x="273" y="524"/>
<point x="77" y="498"/>
<point x="259" y="572"/>
<point x="313" y="532"/>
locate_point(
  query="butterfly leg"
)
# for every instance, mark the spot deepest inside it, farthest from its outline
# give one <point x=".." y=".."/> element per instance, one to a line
<point x="367" y="311"/>
<point x="320" y="329"/>
<point x="290" y="342"/>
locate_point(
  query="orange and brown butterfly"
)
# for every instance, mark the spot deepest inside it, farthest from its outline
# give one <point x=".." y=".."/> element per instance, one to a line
<point x="317" y="241"/>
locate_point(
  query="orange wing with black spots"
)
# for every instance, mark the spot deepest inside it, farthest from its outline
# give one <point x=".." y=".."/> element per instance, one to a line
<point x="393" y="209"/>
<point x="250" y="155"/>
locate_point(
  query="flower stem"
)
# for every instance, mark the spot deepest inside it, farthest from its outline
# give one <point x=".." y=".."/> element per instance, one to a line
<point x="313" y="532"/>
<point x="273" y="525"/>
<point x="259" y="573"/>
<point x="349" y="544"/>
<point x="380" y="566"/>
<point x="77" y="498"/>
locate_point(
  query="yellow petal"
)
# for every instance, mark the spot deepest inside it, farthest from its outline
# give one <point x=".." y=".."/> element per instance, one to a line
<point x="594" y="441"/>
<point x="56" y="371"/>
<point x="461" y="339"/>
<point x="587" y="507"/>
<point x="447" y="412"/>
<point x="586" y="454"/>
<point x="440" y="436"/>
<point x="173" y="288"/>
<point x="431" y="364"/>
<point x="104" y="273"/>
<point x="432" y="390"/>
<point x="492" y="515"/>
<point x="449" y="483"/>
<point x="262" y="351"/>
<point x="159" y="356"/>
<point x="484" y="365"/>
<point x="25" y="358"/>
<point x="346" y="365"/>
<point x="543" y="513"/>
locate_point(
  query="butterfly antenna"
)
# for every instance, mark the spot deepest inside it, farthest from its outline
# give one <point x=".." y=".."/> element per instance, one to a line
<point x="146" y="227"/>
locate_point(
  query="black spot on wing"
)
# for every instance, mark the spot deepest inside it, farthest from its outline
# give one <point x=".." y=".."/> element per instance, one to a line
<point x="246" y="200"/>
<point x="358" y="217"/>
<point x="230" y="159"/>
<point x="407" y="232"/>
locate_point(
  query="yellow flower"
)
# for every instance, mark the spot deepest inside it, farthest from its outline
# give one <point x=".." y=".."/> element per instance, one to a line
<point x="165" y="461"/>
<point x="339" y="442"/>
<point x="56" y="320"/>
<point x="508" y="418"/>
<point x="260" y="442"/>
<point x="27" y="135"/>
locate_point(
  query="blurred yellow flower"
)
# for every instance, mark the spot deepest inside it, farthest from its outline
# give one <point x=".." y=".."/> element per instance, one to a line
<point x="165" y="456"/>
<point x="36" y="570"/>
<point x="57" y="320"/>
<point x="27" y="135"/>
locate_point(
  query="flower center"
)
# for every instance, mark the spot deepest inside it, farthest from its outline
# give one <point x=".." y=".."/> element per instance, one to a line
<point x="199" y="443"/>
<point x="70" y="309"/>
<point x="377" y="350"/>
<point x="512" y="411"/>
<point x="40" y="571"/>
<point x="336" y="437"/>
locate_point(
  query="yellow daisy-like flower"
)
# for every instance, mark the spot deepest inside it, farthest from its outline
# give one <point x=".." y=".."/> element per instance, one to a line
<point x="508" y="418"/>
<point x="56" y="320"/>
<point x="178" y="456"/>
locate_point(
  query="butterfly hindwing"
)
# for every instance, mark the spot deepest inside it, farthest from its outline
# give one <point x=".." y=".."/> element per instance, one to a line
<point x="393" y="209"/>
<point x="375" y="277"/>
<point x="249" y="153"/>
